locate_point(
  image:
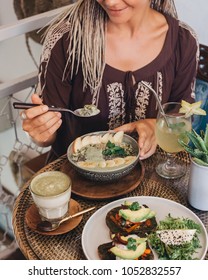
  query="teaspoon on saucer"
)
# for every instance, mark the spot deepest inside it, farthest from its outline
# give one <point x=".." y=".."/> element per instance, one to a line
<point x="48" y="226"/>
<point x="81" y="112"/>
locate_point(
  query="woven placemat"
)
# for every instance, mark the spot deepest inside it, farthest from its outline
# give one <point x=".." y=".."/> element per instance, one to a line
<point x="68" y="246"/>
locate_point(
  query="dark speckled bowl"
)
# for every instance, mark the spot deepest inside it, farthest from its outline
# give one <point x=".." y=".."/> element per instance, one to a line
<point x="107" y="174"/>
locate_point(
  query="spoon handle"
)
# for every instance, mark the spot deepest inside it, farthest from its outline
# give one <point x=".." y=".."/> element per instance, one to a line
<point x="78" y="214"/>
<point x="23" y="105"/>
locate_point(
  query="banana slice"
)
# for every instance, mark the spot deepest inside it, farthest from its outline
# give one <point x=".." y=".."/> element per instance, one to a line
<point x="118" y="137"/>
<point x="102" y="164"/>
<point x="129" y="159"/>
<point x="110" y="163"/>
<point x="87" y="164"/>
<point x="119" y="161"/>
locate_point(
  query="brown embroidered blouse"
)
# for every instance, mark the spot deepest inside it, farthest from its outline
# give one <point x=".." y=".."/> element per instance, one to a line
<point x="172" y="74"/>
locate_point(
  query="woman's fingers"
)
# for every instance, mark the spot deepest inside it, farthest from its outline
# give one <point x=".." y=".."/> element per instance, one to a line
<point x="43" y="126"/>
<point x="129" y="127"/>
<point x="146" y="132"/>
<point x="45" y="131"/>
<point x="147" y="145"/>
<point x="34" y="112"/>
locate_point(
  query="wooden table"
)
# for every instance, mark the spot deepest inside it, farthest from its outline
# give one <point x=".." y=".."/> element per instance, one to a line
<point x="68" y="246"/>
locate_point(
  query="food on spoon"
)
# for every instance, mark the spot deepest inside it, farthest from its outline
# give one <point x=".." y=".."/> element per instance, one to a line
<point x="130" y="247"/>
<point x="88" y="110"/>
<point x="131" y="217"/>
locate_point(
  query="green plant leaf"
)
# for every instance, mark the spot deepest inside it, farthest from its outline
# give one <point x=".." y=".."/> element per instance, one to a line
<point x="200" y="162"/>
<point x="200" y="154"/>
<point x="197" y="140"/>
<point x="186" y="147"/>
<point x="206" y="137"/>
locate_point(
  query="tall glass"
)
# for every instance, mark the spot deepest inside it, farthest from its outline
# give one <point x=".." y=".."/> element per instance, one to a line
<point x="170" y="127"/>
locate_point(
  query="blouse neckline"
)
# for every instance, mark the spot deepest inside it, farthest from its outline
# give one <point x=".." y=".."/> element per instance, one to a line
<point x="162" y="57"/>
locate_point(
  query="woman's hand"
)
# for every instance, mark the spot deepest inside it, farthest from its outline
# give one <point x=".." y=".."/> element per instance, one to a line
<point x="146" y="132"/>
<point x="41" y="124"/>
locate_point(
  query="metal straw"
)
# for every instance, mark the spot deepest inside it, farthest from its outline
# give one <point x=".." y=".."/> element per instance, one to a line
<point x="158" y="101"/>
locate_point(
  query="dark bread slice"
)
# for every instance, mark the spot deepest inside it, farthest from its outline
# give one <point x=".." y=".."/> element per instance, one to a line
<point x="144" y="228"/>
<point x="105" y="254"/>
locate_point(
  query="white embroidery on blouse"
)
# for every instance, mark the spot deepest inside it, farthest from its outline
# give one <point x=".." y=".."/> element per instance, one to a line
<point x="54" y="34"/>
<point x="116" y="105"/>
<point x="142" y="100"/>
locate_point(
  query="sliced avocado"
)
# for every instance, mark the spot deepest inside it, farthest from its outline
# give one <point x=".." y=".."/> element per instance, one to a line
<point x="127" y="203"/>
<point x="151" y="215"/>
<point x="129" y="254"/>
<point x="135" y="216"/>
<point x="138" y="239"/>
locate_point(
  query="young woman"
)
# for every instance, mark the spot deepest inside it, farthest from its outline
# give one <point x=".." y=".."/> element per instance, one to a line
<point x="98" y="52"/>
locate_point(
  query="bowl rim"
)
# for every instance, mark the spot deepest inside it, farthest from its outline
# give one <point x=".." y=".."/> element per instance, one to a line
<point x="104" y="171"/>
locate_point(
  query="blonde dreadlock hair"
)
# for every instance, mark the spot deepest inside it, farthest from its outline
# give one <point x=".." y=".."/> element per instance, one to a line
<point x="87" y="22"/>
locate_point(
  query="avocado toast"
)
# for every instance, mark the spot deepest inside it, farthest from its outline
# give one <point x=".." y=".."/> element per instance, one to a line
<point x="131" y="218"/>
<point x="130" y="247"/>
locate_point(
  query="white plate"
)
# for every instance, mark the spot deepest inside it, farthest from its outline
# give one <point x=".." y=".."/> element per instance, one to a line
<point x="96" y="232"/>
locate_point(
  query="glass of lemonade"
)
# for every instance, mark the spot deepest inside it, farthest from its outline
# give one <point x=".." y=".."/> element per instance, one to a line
<point x="51" y="192"/>
<point x="170" y="127"/>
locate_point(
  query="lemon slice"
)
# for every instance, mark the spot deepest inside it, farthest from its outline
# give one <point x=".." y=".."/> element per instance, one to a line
<point x="191" y="109"/>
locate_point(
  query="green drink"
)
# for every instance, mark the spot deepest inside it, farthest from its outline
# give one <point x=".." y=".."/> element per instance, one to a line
<point x="167" y="137"/>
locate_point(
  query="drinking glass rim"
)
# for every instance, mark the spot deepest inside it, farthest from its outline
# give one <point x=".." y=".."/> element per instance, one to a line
<point x="45" y="174"/>
<point x="169" y="115"/>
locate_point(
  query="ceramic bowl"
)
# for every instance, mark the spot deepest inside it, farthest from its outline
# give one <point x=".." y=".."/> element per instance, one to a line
<point x="109" y="173"/>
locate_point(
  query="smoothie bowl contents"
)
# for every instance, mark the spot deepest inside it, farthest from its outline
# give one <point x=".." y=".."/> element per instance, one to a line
<point x="88" y="110"/>
<point x="103" y="156"/>
<point x="51" y="192"/>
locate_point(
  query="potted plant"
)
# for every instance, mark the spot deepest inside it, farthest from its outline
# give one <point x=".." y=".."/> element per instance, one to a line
<point x="198" y="179"/>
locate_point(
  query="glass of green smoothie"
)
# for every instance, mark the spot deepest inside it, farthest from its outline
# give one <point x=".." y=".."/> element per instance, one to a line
<point x="51" y="192"/>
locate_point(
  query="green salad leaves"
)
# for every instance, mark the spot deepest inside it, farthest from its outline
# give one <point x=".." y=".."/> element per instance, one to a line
<point x="183" y="251"/>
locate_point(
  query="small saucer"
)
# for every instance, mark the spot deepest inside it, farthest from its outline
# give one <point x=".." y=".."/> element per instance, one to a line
<point x="32" y="218"/>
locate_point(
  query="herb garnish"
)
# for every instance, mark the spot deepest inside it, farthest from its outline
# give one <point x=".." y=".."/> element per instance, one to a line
<point x="113" y="149"/>
<point x="176" y="125"/>
<point x="131" y="245"/>
<point x="134" y="206"/>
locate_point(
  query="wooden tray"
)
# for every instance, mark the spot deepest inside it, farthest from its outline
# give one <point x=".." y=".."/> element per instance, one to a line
<point x="99" y="190"/>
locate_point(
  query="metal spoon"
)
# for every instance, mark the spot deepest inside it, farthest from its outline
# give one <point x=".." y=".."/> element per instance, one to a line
<point x="77" y="112"/>
<point x="48" y="226"/>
